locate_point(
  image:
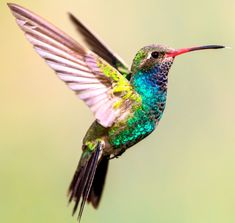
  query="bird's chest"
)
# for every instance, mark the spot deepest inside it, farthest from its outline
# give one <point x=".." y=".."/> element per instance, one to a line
<point x="137" y="126"/>
<point x="128" y="132"/>
<point x="143" y="121"/>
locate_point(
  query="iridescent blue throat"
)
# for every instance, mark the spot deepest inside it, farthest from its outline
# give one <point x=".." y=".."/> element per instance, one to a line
<point x="152" y="86"/>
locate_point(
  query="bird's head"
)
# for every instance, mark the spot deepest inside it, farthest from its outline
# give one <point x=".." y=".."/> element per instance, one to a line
<point x="157" y="55"/>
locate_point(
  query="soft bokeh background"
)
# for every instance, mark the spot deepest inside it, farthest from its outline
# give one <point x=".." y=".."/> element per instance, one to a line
<point x="184" y="172"/>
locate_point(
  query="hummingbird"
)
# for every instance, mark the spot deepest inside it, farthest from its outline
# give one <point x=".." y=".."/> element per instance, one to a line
<point x="127" y="103"/>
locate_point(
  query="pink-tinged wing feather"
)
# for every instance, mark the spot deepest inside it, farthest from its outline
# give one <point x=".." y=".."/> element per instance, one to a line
<point x="97" y="83"/>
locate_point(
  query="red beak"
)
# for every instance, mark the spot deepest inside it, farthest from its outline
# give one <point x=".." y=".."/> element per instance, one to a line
<point x="186" y="50"/>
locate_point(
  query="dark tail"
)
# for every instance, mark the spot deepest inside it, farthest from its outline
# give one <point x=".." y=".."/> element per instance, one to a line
<point x="88" y="181"/>
<point x="99" y="181"/>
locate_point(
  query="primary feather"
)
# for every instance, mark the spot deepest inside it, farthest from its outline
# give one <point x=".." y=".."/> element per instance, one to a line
<point x="103" y="88"/>
<point x="100" y="48"/>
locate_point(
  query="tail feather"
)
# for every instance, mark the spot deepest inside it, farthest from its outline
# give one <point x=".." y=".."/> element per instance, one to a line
<point x="82" y="181"/>
<point x="88" y="181"/>
<point x="99" y="182"/>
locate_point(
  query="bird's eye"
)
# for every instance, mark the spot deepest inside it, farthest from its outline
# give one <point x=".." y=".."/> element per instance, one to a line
<point x="155" y="54"/>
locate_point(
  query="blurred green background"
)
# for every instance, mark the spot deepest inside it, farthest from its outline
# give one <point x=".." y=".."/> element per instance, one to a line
<point x="184" y="172"/>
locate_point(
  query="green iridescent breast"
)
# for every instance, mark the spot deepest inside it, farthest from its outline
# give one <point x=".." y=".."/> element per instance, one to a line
<point x="136" y="126"/>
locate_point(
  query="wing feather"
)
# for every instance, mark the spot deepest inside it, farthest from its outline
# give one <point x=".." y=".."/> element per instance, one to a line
<point x="97" y="46"/>
<point x="94" y="80"/>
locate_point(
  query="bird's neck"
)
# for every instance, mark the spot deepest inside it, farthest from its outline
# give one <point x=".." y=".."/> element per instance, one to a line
<point x="152" y="87"/>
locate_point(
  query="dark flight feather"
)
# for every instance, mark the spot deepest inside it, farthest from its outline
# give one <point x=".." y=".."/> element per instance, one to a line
<point x="97" y="46"/>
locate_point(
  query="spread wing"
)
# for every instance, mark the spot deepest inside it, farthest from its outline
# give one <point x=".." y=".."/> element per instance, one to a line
<point x="97" y="46"/>
<point x="105" y="91"/>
